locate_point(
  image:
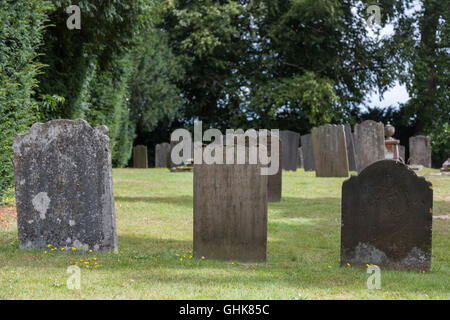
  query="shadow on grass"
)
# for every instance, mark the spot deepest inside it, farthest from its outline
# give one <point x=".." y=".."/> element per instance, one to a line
<point x="185" y="201"/>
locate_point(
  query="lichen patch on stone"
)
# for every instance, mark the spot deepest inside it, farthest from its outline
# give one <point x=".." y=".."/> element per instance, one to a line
<point x="41" y="203"/>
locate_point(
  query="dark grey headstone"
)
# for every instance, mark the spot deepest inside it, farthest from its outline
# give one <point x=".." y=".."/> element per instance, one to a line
<point x="290" y="141"/>
<point x="420" y="150"/>
<point x="350" y="148"/>
<point x="307" y="150"/>
<point x="330" y="151"/>
<point x="140" y="157"/>
<point x="369" y="143"/>
<point x="162" y="155"/>
<point x="230" y="212"/>
<point x="387" y="218"/>
<point x="64" y="190"/>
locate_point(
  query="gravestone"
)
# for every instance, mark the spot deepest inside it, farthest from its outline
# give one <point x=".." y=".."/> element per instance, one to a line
<point x="387" y="218"/>
<point x="162" y="155"/>
<point x="402" y="153"/>
<point x="307" y="152"/>
<point x="290" y="141"/>
<point x="300" y="158"/>
<point x="369" y="143"/>
<point x="350" y="148"/>
<point x="420" y="151"/>
<point x="330" y="151"/>
<point x="230" y="211"/>
<point x="64" y="189"/>
<point x="140" y="157"/>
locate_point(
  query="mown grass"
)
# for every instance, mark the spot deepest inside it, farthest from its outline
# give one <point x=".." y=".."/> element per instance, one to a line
<point x="154" y="221"/>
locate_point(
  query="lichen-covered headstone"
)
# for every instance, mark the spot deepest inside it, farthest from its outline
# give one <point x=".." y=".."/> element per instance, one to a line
<point x="64" y="190"/>
<point x="162" y="155"/>
<point x="140" y="157"/>
<point x="420" y="150"/>
<point x="307" y="150"/>
<point x="369" y="143"/>
<point x="330" y="151"/>
<point x="290" y="141"/>
<point x="230" y="211"/>
<point x="350" y="148"/>
<point x="387" y="213"/>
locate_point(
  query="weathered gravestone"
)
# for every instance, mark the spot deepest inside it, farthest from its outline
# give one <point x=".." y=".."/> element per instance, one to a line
<point x="300" y="158"/>
<point x="290" y="141"/>
<point x="369" y="143"/>
<point x="140" y="157"/>
<point x="162" y="155"/>
<point x="402" y="153"/>
<point x="330" y="151"/>
<point x="308" y="154"/>
<point x="387" y="218"/>
<point x="350" y="148"/>
<point x="230" y="211"/>
<point x="420" y="150"/>
<point x="64" y="190"/>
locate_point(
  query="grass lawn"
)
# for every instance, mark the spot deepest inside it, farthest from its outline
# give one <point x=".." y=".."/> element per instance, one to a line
<point x="154" y="222"/>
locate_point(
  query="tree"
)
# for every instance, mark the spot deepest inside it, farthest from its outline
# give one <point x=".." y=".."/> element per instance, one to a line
<point x="420" y="49"/>
<point x="21" y="28"/>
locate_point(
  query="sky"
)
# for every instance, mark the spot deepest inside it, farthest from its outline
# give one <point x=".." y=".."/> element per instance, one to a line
<point x="398" y="93"/>
<point x="393" y="97"/>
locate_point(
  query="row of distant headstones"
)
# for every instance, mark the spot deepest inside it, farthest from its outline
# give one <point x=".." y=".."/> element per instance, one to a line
<point x="330" y="150"/>
<point x="64" y="198"/>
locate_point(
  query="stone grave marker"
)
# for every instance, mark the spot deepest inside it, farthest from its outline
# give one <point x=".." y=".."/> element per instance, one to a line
<point x="290" y="141"/>
<point x="230" y="211"/>
<point x="387" y="218"/>
<point x="140" y="157"/>
<point x="420" y="151"/>
<point x="369" y="143"/>
<point x="330" y="151"/>
<point x="162" y="155"/>
<point x="64" y="189"/>
<point x="307" y="152"/>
